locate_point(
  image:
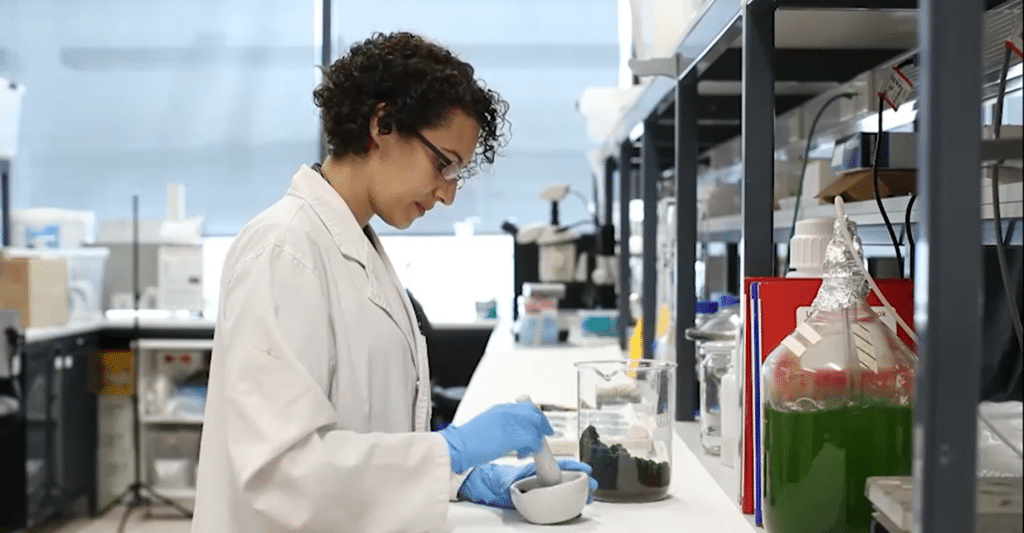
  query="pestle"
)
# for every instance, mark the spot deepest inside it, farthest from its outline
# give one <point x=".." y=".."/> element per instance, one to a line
<point x="548" y="473"/>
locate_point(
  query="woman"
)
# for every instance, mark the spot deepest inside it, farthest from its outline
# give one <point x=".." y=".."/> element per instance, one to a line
<point x="319" y="400"/>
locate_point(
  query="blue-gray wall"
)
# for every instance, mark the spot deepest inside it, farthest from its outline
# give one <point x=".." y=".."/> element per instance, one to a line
<point x="124" y="96"/>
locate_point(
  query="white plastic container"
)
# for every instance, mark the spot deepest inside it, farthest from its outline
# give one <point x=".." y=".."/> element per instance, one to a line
<point x="46" y="227"/>
<point x="86" y="268"/>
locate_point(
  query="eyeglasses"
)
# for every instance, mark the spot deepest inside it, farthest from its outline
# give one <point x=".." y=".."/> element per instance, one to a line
<point x="449" y="169"/>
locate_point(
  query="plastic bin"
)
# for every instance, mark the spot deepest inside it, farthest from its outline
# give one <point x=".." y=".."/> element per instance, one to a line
<point x="51" y="228"/>
<point x="172" y="456"/>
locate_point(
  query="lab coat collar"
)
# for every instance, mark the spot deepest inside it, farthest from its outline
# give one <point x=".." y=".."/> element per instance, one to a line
<point x="311" y="187"/>
<point x="308" y="185"/>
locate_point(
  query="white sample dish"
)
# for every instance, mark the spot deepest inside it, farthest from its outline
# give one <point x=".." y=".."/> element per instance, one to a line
<point x="551" y="505"/>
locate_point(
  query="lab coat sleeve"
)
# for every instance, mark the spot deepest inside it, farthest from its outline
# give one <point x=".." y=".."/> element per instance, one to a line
<point x="291" y="463"/>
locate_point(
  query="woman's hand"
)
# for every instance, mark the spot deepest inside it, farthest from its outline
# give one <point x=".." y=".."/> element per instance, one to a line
<point x="489" y="484"/>
<point x="497" y="431"/>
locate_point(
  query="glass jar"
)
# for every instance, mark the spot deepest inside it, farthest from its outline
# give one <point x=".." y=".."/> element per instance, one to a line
<point x="625" y="427"/>
<point x="837" y="409"/>
<point x="703" y="310"/>
<point x="716" y="342"/>
<point x="714" y="364"/>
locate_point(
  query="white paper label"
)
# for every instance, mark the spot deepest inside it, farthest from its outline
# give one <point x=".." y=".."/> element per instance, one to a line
<point x="1014" y="40"/>
<point x="896" y="89"/>
<point x="865" y="350"/>
<point x="887" y="318"/>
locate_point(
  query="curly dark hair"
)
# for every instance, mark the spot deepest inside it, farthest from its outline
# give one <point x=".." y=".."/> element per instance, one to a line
<point x="418" y="82"/>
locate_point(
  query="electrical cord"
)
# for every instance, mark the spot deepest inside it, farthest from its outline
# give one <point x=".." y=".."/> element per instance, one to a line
<point x="848" y="239"/>
<point x="878" y="198"/>
<point x="1011" y="300"/>
<point x="911" y="251"/>
<point x="574" y="224"/>
<point x="803" y="169"/>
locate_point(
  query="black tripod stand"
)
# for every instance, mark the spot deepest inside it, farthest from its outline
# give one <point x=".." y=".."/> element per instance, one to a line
<point x="133" y="497"/>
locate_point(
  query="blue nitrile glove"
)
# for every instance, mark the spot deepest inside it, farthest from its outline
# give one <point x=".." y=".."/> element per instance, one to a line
<point x="495" y="432"/>
<point x="489" y="483"/>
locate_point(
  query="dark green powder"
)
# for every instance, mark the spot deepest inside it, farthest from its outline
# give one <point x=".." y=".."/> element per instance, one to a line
<point x="620" y="476"/>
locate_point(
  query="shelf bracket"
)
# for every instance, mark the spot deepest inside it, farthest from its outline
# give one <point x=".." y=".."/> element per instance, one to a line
<point x="1000" y="149"/>
<point x="670" y="67"/>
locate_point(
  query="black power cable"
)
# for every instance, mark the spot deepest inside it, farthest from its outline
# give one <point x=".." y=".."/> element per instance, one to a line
<point x="911" y="251"/>
<point x="997" y="122"/>
<point x="803" y="169"/>
<point x="878" y="198"/>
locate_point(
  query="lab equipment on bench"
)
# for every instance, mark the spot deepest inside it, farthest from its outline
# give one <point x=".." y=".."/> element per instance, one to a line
<point x="716" y="343"/>
<point x="516" y="487"/>
<point x="625" y="427"/>
<point x="837" y="398"/>
<point x="553" y="252"/>
<point x="539" y="321"/>
<point x="170" y="263"/>
<point x="47" y="227"/>
<point x="555" y="503"/>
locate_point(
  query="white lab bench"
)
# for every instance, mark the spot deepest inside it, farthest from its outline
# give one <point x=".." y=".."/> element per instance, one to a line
<point x="696" y="501"/>
<point x="120" y="323"/>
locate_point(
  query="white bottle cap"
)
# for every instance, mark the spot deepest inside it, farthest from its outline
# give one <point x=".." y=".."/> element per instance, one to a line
<point x="807" y="247"/>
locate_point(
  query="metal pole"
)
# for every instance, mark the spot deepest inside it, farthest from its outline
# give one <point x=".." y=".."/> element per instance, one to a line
<point x="609" y="190"/>
<point x="325" y="55"/>
<point x="651" y="175"/>
<point x="625" y="284"/>
<point x="686" y="240"/>
<point x="948" y="270"/>
<point x="5" y="199"/>
<point x="758" y="251"/>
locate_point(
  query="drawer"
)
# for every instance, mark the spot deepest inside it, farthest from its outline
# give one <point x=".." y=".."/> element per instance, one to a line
<point x="114" y="415"/>
<point x="113" y="444"/>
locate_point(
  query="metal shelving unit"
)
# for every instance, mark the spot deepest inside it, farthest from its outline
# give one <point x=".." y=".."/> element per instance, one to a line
<point x="702" y="100"/>
<point x="170" y="438"/>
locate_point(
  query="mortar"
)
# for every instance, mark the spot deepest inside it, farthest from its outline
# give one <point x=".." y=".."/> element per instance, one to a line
<point x="551" y="505"/>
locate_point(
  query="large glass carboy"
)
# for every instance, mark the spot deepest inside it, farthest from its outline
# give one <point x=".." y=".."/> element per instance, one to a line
<point x="837" y="407"/>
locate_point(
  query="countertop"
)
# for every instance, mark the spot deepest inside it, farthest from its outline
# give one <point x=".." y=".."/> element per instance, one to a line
<point x="117" y="322"/>
<point x="167" y="321"/>
<point x="696" y="501"/>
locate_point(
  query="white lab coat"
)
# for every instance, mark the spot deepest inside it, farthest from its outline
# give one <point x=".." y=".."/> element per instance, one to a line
<point x="319" y="402"/>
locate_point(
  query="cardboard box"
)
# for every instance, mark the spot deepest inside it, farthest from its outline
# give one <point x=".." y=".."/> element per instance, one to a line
<point x="856" y="185"/>
<point x="37" y="288"/>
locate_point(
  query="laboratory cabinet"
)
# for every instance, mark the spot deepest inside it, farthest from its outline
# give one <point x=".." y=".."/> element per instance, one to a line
<point x="48" y="454"/>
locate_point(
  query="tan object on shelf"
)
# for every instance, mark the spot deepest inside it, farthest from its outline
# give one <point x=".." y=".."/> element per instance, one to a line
<point x="855" y="185"/>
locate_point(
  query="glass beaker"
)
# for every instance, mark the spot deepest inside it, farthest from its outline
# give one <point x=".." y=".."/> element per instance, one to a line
<point x="625" y="427"/>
